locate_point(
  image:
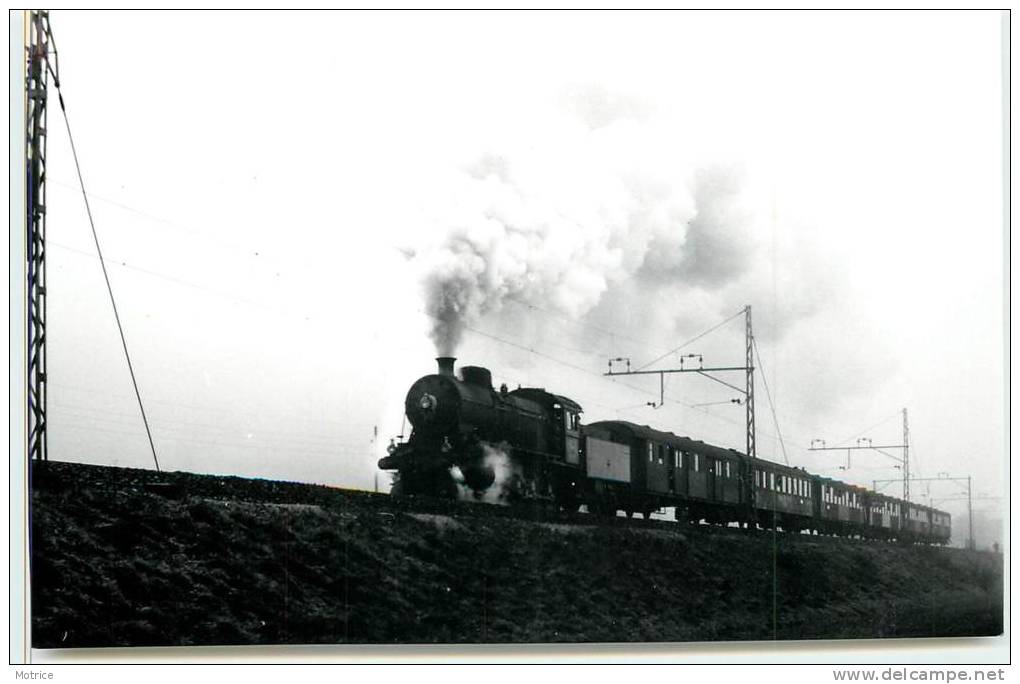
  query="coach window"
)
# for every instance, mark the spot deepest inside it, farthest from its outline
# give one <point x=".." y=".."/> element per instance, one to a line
<point x="697" y="464"/>
<point x="728" y="469"/>
<point x="662" y="451"/>
<point x="650" y="452"/>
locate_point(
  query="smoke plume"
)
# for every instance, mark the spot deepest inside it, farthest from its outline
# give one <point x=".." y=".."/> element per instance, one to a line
<point x="554" y="225"/>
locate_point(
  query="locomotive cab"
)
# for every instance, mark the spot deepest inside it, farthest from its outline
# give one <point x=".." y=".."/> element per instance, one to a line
<point x="567" y="433"/>
<point x="564" y="423"/>
<point x="571" y="422"/>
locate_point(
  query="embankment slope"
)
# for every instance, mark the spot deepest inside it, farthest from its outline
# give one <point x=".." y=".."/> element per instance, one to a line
<point x="215" y="560"/>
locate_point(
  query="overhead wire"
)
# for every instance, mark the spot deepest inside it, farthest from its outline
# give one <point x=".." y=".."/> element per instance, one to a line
<point x="116" y="417"/>
<point x="691" y="341"/>
<point x="861" y="433"/>
<point x="473" y="330"/>
<point x="524" y="347"/>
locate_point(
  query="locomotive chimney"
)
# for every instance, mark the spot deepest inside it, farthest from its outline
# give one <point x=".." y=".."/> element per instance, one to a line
<point x="446" y="365"/>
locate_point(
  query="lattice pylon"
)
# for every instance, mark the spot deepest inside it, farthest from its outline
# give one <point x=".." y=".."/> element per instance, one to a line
<point x="37" y="43"/>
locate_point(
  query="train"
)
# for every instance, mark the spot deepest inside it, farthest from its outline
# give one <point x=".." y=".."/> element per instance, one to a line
<point x="470" y="440"/>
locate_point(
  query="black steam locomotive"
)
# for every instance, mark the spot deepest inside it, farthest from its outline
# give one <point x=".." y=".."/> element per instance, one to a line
<point x="470" y="440"/>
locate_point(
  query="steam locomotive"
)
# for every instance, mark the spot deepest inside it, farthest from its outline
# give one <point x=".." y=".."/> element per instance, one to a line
<point x="470" y="440"/>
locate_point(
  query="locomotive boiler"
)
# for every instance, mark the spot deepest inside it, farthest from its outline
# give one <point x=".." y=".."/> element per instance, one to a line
<point x="469" y="439"/>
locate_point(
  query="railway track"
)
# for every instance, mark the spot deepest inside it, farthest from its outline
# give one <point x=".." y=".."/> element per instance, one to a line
<point x="255" y="490"/>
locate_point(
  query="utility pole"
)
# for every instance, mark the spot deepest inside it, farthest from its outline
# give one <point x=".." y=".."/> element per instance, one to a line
<point x="904" y="461"/>
<point x="906" y="457"/>
<point x="747" y="369"/>
<point x="970" y="517"/>
<point x="749" y="381"/>
<point x="38" y="67"/>
<point x="375" y="439"/>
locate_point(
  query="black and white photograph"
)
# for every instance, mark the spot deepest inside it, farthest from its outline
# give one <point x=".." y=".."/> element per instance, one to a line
<point x="550" y="331"/>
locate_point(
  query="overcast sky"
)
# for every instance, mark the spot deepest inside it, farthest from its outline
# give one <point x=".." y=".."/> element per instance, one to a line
<point x="273" y="191"/>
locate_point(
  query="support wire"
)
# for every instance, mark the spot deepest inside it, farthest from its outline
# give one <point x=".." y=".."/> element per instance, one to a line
<point x="106" y="276"/>
<point x="772" y="406"/>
